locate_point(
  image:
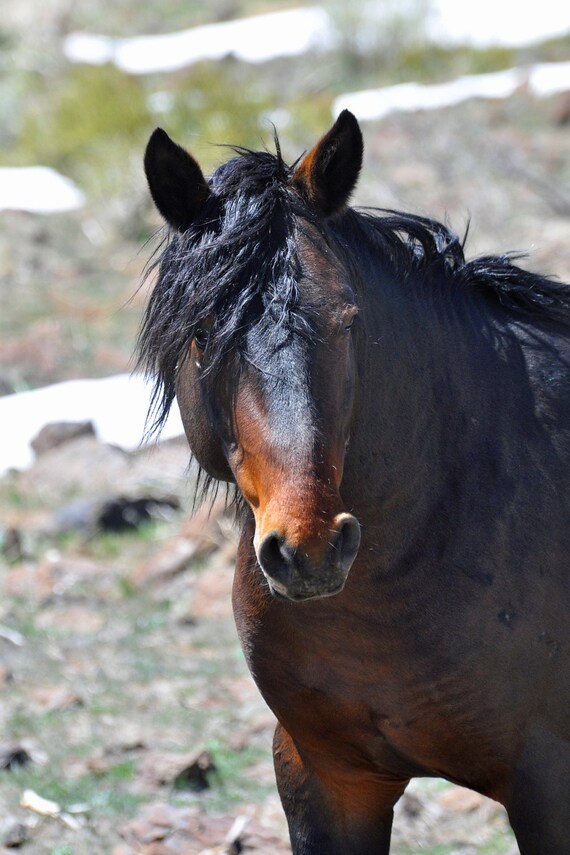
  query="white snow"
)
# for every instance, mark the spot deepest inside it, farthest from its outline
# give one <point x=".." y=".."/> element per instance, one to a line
<point x="548" y="78"/>
<point x="497" y="22"/>
<point x="255" y="39"/>
<point x="543" y="79"/>
<point x="117" y="406"/>
<point x="38" y="189"/>
<point x="295" y="31"/>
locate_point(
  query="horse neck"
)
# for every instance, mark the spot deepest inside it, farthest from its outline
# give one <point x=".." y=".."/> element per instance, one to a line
<point x="425" y="368"/>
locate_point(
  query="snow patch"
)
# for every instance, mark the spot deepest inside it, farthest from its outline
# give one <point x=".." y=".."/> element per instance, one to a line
<point x="544" y="79"/>
<point x="497" y="22"/>
<point x="253" y="40"/>
<point x="38" y="189"/>
<point x="117" y="406"/>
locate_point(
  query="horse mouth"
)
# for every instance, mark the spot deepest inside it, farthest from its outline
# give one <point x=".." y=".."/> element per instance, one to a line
<point x="280" y="592"/>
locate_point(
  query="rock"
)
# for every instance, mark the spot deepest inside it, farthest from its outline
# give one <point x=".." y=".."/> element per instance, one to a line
<point x="196" y="775"/>
<point x="122" y="514"/>
<point x="58" y="433"/>
<point x="13" y="756"/>
<point x="113" y="514"/>
<point x="84" y="467"/>
<point x="183" y="771"/>
<point x="16" y="836"/>
<point x="80" y="516"/>
<point x="87" y="469"/>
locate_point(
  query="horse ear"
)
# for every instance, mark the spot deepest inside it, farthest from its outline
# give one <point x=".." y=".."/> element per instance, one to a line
<point x="175" y="180"/>
<point x="328" y="173"/>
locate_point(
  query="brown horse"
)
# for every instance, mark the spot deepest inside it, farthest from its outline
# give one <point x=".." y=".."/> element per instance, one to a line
<point x="396" y="421"/>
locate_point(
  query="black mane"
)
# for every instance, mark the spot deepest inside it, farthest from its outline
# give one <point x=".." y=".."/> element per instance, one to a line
<point x="238" y="260"/>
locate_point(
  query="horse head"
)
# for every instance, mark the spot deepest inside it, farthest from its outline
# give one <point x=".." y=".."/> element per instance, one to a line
<point x="252" y="325"/>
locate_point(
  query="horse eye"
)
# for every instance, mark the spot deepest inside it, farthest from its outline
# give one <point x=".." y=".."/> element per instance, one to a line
<point x="349" y="320"/>
<point x="201" y="338"/>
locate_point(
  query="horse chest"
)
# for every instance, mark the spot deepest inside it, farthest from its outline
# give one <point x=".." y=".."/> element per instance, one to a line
<point x="368" y="694"/>
<point x="407" y="677"/>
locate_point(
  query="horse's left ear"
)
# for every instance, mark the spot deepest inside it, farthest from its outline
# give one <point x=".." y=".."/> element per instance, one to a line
<point x="328" y="173"/>
<point x="176" y="182"/>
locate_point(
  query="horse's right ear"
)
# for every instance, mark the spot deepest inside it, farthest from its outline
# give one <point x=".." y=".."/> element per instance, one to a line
<point x="175" y="180"/>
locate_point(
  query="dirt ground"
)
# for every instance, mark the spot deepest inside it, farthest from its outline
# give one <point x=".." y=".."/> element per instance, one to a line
<point x="125" y="700"/>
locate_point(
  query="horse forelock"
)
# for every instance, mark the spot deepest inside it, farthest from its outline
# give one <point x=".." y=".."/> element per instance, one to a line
<point x="236" y="264"/>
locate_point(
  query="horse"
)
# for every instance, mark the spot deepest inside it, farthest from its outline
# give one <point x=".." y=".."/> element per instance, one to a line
<point x="394" y="421"/>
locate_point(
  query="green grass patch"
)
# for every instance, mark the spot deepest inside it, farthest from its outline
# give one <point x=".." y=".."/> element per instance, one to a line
<point x="106" y="793"/>
<point x="94" y="115"/>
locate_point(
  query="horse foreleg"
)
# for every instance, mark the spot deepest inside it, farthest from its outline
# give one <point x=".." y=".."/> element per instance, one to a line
<point x="538" y="796"/>
<point x="334" y="811"/>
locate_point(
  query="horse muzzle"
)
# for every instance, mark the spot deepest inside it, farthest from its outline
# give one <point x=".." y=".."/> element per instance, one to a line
<point x="297" y="572"/>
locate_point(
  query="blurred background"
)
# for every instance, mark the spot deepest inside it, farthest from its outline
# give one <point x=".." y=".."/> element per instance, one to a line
<point x="125" y="701"/>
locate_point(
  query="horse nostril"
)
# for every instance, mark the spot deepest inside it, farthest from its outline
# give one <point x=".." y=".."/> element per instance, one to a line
<point x="274" y="557"/>
<point x="293" y="572"/>
<point x="346" y="540"/>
